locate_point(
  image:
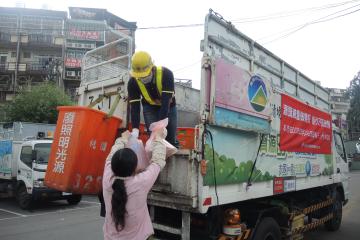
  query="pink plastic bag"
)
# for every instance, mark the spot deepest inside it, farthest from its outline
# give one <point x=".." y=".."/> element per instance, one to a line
<point x="138" y="147"/>
<point x="154" y="127"/>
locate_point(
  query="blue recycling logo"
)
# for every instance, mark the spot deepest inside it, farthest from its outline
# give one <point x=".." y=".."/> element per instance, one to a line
<point x="257" y="93"/>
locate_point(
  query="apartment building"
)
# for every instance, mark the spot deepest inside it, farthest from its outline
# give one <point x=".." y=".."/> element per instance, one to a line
<point x="38" y="45"/>
<point x="86" y="29"/>
<point x="340" y="105"/>
<point x="31" y="48"/>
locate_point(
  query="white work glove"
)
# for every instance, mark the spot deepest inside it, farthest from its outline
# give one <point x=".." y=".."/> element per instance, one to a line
<point x="161" y="134"/>
<point x="135" y="133"/>
<point x="119" y="144"/>
<point x="123" y="140"/>
<point x="159" y="149"/>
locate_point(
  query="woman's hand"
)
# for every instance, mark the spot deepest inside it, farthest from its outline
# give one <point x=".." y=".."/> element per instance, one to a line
<point x="123" y="140"/>
<point x="160" y="134"/>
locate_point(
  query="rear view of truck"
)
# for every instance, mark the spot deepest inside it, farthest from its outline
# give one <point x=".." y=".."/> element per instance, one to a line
<point x="267" y="162"/>
<point x="259" y="158"/>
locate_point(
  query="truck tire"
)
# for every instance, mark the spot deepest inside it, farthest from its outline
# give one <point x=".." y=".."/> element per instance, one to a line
<point x="73" y="199"/>
<point x="268" y="229"/>
<point x="23" y="198"/>
<point x="335" y="222"/>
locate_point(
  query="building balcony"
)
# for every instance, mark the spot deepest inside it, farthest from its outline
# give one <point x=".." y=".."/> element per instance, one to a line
<point x="41" y="40"/>
<point x="5" y="40"/>
<point x="73" y="74"/>
<point x="46" y="39"/>
<point x="31" y="68"/>
<point x="5" y="82"/>
<point x="339" y="99"/>
<point x="38" y="68"/>
<point x="7" y="67"/>
<point x="73" y="78"/>
<point x="2" y="67"/>
<point x="340" y="105"/>
<point x="5" y="37"/>
<point x="31" y="40"/>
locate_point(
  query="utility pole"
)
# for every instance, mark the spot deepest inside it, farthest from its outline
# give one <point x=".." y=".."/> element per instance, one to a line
<point x="18" y="35"/>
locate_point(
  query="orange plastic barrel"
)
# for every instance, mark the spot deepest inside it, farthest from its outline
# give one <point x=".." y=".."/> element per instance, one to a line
<point x="186" y="137"/>
<point x="82" y="140"/>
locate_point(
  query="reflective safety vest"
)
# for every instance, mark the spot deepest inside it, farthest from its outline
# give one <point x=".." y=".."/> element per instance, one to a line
<point x="144" y="91"/>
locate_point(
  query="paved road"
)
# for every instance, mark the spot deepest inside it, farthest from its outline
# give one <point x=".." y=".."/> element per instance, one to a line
<point x="350" y="227"/>
<point x="59" y="221"/>
<point x="51" y="221"/>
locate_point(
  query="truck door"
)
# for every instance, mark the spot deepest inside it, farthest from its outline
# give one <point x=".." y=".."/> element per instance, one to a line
<point x="25" y="165"/>
<point x="341" y="167"/>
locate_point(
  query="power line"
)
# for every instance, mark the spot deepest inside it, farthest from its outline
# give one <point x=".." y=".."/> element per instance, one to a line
<point x="345" y="14"/>
<point x="286" y="32"/>
<point x="106" y="29"/>
<point x="302" y="26"/>
<point x="186" y="66"/>
<point x="243" y="20"/>
<point x="284" y="14"/>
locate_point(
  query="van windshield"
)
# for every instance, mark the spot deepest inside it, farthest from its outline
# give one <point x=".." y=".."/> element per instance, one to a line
<point x="42" y="152"/>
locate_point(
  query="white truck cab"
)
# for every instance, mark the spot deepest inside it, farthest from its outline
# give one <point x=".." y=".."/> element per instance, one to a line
<point x="341" y="174"/>
<point x="24" y="153"/>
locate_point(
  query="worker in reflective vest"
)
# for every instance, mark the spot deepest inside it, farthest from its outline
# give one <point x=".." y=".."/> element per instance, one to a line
<point x="152" y="87"/>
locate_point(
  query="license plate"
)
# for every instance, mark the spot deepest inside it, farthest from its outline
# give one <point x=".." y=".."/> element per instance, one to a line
<point x="66" y="193"/>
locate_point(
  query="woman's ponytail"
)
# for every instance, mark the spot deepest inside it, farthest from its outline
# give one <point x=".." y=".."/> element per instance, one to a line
<point x="123" y="164"/>
<point x="118" y="202"/>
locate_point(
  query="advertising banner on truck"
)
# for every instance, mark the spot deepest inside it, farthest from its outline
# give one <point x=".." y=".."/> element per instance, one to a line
<point x="240" y="91"/>
<point x="5" y="157"/>
<point x="304" y="128"/>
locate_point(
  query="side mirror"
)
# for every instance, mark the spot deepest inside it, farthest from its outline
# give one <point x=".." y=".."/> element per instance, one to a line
<point x="33" y="155"/>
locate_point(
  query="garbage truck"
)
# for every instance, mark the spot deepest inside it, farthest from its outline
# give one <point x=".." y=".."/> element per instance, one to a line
<point x="24" y="152"/>
<point x="261" y="158"/>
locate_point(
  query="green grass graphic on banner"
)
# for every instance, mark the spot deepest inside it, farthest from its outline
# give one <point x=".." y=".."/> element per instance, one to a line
<point x="227" y="172"/>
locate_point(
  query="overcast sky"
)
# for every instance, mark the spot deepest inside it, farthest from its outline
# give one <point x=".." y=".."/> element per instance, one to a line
<point x="327" y="51"/>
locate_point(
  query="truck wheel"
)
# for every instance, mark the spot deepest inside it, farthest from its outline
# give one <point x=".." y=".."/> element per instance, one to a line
<point x="335" y="222"/>
<point x="73" y="199"/>
<point x="268" y="229"/>
<point x="23" y="198"/>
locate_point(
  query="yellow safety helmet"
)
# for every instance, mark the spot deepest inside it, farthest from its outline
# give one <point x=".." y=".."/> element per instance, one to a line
<point x="141" y="64"/>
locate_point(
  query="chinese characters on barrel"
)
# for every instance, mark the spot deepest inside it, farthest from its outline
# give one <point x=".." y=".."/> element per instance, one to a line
<point x="62" y="147"/>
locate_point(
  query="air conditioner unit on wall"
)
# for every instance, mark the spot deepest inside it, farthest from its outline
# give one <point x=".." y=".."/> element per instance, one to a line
<point x="70" y="73"/>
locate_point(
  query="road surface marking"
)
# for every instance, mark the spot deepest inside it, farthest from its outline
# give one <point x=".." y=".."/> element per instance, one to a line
<point x="90" y="202"/>
<point x="46" y="213"/>
<point x="15" y="213"/>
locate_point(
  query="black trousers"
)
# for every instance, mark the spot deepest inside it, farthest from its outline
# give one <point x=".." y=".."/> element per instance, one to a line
<point x="102" y="204"/>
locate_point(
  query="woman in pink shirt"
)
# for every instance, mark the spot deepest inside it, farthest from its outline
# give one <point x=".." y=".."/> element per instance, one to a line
<point x="125" y="193"/>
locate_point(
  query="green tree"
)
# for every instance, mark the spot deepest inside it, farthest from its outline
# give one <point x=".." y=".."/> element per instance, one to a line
<point x="37" y="105"/>
<point x="353" y="115"/>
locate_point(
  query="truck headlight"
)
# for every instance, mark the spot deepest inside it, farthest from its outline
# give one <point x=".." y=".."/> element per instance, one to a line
<point x="38" y="183"/>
